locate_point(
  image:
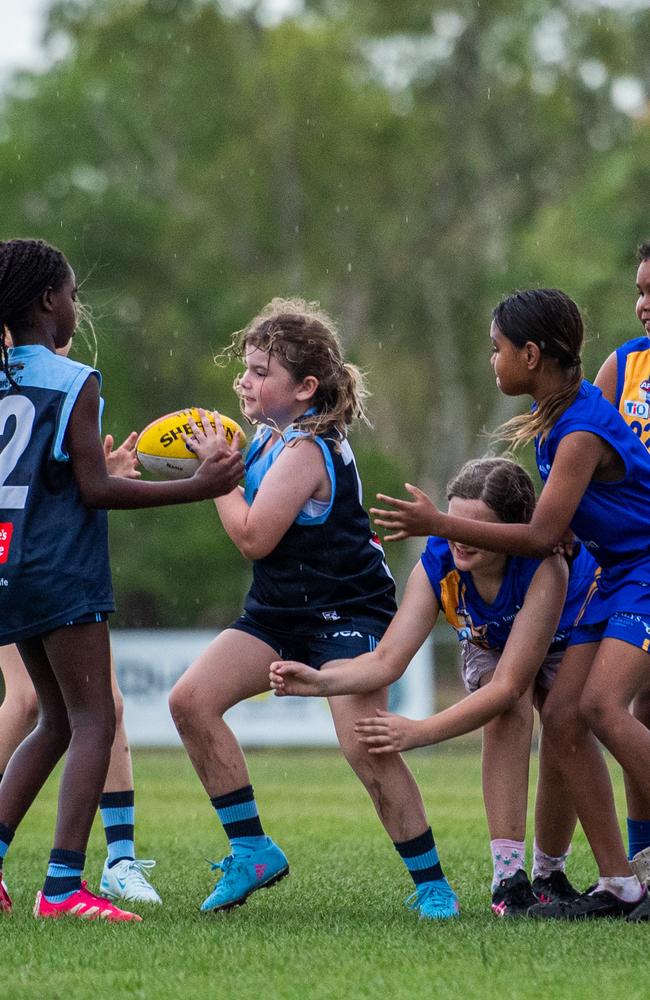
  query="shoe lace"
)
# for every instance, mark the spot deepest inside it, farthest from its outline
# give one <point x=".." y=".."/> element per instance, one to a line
<point x="137" y="868"/>
<point x="429" y="892"/>
<point x="224" y="865"/>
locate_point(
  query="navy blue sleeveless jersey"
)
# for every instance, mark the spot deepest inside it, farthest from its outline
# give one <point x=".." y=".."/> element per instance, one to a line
<point x="329" y="568"/>
<point x="53" y="550"/>
<point x="612" y="518"/>
<point x="489" y="625"/>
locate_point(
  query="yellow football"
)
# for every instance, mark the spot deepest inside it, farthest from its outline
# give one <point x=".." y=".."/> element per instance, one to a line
<point x="161" y="449"/>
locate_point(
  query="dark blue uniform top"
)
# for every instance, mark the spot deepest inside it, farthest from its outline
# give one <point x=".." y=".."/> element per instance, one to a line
<point x="329" y="567"/>
<point x="53" y="550"/>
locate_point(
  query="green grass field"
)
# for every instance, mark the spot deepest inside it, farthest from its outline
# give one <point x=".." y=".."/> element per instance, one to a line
<point x="336" y="928"/>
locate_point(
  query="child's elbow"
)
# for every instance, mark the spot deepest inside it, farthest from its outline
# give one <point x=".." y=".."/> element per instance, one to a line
<point x="254" y="548"/>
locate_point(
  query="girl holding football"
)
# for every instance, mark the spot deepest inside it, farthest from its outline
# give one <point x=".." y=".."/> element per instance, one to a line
<point x="321" y="591"/>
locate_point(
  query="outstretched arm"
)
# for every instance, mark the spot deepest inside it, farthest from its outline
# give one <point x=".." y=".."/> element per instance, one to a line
<point x="405" y="634"/>
<point x="577" y="458"/>
<point x="527" y="645"/>
<point x="97" y="488"/>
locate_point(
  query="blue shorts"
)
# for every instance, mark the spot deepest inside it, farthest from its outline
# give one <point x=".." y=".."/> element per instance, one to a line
<point x="624" y="625"/>
<point x="342" y="643"/>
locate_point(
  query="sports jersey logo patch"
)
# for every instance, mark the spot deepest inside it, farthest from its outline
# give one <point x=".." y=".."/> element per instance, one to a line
<point x="6" y="531"/>
<point x="633" y="408"/>
<point x="644" y="389"/>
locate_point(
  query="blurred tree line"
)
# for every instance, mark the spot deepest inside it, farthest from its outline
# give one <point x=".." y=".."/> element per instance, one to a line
<point x="404" y="164"/>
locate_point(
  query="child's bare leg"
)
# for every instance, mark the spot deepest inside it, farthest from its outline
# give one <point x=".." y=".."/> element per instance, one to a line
<point x="19" y="709"/>
<point x="33" y="761"/>
<point x="619" y="671"/>
<point x="505" y="766"/>
<point x="389" y="782"/>
<point x="575" y="751"/>
<point x="555" y="815"/>
<point x="120" y="768"/>
<point x="235" y="666"/>
<point x="80" y="659"/>
<point x="396" y="797"/>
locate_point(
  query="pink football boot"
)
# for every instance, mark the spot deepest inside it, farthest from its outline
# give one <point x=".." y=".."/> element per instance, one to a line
<point x="5" y="898"/>
<point x="85" y="905"/>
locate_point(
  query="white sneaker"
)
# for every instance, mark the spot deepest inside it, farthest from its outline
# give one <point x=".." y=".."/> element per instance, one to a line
<point x="640" y="865"/>
<point x="127" y="880"/>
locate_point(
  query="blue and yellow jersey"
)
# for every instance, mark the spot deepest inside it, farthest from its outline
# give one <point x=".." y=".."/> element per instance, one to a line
<point x="633" y="386"/>
<point x="612" y="517"/>
<point x="489" y="625"/>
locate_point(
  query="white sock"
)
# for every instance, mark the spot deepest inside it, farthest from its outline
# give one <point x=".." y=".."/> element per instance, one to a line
<point x="625" y="887"/>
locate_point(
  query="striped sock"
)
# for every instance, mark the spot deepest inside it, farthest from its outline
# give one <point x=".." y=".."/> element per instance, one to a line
<point x="6" y="836"/>
<point x="421" y="858"/>
<point x="63" y="874"/>
<point x="638" y="836"/>
<point x="238" y="814"/>
<point x="118" y="816"/>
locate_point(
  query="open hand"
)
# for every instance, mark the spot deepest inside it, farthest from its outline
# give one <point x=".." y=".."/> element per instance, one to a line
<point x="288" y="677"/>
<point x="221" y="463"/>
<point x="123" y="461"/>
<point x="387" y="732"/>
<point x="409" y="517"/>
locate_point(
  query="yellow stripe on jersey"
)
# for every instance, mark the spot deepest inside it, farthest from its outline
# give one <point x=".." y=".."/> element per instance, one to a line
<point x="634" y="404"/>
<point x="452" y="599"/>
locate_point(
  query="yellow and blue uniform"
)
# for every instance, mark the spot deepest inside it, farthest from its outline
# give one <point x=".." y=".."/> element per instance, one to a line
<point x="488" y="625"/>
<point x="633" y="386"/>
<point x="54" y="566"/>
<point x="612" y="521"/>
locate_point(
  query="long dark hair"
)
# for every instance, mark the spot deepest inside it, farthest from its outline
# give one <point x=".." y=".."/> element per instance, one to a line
<point x="552" y="320"/>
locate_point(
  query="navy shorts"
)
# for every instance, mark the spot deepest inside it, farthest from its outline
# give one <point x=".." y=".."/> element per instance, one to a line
<point x="88" y="618"/>
<point x="341" y="643"/>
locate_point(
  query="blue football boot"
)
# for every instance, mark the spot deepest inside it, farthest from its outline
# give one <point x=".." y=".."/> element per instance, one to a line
<point x="434" y="901"/>
<point x="243" y="873"/>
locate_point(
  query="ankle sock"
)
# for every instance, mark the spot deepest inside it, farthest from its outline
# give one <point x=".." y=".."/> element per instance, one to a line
<point x="625" y="887"/>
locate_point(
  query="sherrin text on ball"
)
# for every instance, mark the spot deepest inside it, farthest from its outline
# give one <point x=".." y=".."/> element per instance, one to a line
<point x="162" y="450"/>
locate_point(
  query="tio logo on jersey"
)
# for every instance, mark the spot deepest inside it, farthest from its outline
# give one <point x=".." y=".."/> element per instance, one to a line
<point x="6" y="531"/>
<point x="635" y="409"/>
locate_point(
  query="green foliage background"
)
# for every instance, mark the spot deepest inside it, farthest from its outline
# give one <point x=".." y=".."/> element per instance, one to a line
<point x="404" y="164"/>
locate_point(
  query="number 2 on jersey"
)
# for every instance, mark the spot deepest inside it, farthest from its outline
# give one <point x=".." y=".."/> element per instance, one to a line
<point x="22" y="409"/>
